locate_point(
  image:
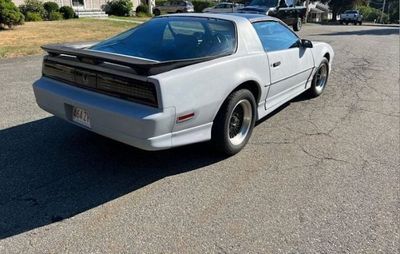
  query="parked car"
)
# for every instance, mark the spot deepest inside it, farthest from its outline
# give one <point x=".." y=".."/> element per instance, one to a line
<point x="183" y="78"/>
<point x="224" y="7"/>
<point x="351" y="16"/>
<point x="173" y="7"/>
<point x="285" y="10"/>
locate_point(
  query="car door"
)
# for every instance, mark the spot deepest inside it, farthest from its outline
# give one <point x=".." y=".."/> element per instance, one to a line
<point x="290" y="65"/>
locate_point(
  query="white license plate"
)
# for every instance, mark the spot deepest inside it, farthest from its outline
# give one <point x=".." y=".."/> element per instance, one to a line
<point x="81" y="116"/>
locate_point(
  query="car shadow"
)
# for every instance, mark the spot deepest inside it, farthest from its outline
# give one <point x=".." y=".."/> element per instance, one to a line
<point x="381" y="31"/>
<point x="50" y="171"/>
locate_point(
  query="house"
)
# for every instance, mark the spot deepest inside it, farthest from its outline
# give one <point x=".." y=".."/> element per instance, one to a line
<point x="84" y="8"/>
<point x="318" y="12"/>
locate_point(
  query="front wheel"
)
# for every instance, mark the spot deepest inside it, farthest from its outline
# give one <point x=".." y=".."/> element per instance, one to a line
<point x="320" y="79"/>
<point x="234" y="122"/>
<point x="297" y="25"/>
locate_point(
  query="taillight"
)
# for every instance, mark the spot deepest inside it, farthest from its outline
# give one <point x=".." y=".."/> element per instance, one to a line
<point x="113" y="85"/>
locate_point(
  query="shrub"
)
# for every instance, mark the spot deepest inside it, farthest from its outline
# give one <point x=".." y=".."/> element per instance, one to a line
<point x="33" y="6"/>
<point x="33" y="16"/>
<point x="67" y="12"/>
<point x="371" y="14"/>
<point x="144" y="9"/>
<point x="199" y="6"/>
<point x="119" y="7"/>
<point x="9" y="14"/>
<point x="55" y="15"/>
<point x="51" y="7"/>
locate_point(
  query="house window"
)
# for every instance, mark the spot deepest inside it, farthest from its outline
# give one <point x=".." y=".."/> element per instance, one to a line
<point x="77" y="2"/>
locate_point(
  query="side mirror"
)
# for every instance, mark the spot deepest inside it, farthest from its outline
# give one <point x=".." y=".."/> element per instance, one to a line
<point x="306" y="43"/>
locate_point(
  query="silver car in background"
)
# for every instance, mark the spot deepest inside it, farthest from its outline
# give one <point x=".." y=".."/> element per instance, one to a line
<point x="224" y="7"/>
<point x="173" y="7"/>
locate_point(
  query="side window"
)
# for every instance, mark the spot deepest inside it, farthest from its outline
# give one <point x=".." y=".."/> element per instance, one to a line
<point x="274" y="36"/>
<point x="289" y="3"/>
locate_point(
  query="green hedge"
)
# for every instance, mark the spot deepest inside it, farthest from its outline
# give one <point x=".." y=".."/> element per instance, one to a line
<point x="199" y="6"/>
<point x="67" y="12"/>
<point x="372" y="14"/>
<point x="143" y="8"/>
<point x="119" y="7"/>
<point x="10" y="15"/>
<point x="51" y="7"/>
<point x="55" y="15"/>
<point x="33" y="16"/>
<point x="34" y="7"/>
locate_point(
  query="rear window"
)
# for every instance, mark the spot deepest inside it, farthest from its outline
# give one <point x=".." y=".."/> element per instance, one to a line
<point x="174" y="38"/>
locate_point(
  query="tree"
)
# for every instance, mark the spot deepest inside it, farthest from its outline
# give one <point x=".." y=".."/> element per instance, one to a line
<point x="10" y="14"/>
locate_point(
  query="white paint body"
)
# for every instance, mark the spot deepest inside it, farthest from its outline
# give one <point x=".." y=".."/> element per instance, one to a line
<point x="200" y="88"/>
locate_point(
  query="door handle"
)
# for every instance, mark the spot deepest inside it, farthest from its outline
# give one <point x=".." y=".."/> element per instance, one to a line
<point x="276" y="64"/>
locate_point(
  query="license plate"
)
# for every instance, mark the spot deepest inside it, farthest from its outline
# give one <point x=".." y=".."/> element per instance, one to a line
<point x="81" y="116"/>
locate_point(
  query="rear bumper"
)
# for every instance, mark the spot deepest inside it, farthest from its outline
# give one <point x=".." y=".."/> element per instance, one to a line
<point x="138" y="125"/>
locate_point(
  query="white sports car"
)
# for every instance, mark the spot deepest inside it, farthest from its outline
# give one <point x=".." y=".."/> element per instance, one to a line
<point x="183" y="78"/>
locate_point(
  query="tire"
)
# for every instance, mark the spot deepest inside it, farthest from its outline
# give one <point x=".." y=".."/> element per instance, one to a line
<point x="317" y="84"/>
<point x="234" y="122"/>
<point x="297" y="25"/>
<point x="341" y="22"/>
<point x="178" y="11"/>
<point x="347" y="23"/>
<point x="360" y="23"/>
<point x="156" y="12"/>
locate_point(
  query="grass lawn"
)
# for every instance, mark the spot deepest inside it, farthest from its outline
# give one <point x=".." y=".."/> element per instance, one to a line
<point x="132" y="19"/>
<point x="26" y="39"/>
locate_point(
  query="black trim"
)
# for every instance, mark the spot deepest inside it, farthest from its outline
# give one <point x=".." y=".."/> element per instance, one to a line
<point x="141" y="66"/>
<point x="291" y="76"/>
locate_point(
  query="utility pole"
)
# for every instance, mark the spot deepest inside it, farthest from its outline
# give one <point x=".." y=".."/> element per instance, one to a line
<point x="383" y="10"/>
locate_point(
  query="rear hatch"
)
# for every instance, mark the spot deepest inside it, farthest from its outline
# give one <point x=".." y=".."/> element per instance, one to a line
<point x="116" y="75"/>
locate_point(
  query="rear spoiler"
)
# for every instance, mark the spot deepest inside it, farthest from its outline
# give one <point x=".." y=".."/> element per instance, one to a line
<point x="140" y="65"/>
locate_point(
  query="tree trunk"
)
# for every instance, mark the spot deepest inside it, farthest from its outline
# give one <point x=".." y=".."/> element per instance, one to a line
<point x="307" y="11"/>
<point x="334" y="14"/>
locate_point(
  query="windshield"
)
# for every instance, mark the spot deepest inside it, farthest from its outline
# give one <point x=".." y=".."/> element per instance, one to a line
<point x="350" y="12"/>
<point x="174" y="38"/>
<point x="268" y="3"/>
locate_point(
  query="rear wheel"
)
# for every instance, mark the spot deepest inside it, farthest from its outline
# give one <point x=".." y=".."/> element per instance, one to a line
<point x="297" y="25"/>
<point x="320" y="79"/>
<point x="234" y="122"/>
<point x="156" y="12"/>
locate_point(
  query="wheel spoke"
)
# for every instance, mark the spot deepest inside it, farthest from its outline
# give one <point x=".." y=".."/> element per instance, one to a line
<point x="240" y="122"/>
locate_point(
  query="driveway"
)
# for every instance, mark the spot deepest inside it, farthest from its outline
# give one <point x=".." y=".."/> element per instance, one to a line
<point x="320" y="175"/>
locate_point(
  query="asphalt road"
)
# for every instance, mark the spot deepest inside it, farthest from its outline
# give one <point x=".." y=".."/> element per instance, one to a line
<point x="319" y="176"/>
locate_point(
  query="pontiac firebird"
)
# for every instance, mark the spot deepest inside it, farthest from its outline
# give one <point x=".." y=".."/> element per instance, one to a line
<point x="183" y="78"/>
